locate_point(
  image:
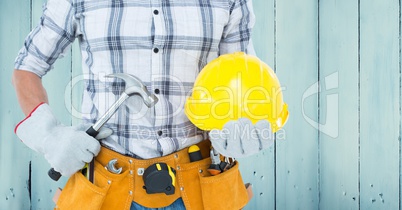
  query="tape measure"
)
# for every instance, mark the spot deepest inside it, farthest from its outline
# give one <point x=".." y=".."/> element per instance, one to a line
<point x="159" y="178"/>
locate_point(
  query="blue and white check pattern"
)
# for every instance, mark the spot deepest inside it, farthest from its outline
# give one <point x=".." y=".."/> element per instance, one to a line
<point x="165" y="43"/>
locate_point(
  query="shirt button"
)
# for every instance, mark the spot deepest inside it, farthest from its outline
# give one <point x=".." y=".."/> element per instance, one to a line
<point x="156" y="12"/>
<point x="157" y="91"/>
<point x="156" y="50"/>
<point x="160" y="133"/>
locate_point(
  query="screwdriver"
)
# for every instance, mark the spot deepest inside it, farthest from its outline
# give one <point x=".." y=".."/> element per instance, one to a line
<point x="194" y="153"/>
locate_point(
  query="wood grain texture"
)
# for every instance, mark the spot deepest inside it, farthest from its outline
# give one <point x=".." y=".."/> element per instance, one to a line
<point x="297" y="69"/>
<point x="259" y="170"/>
<point x="339" y="62"/>
<point x="379" y="104"/>
<point x="55" y="83"/>
<point x="14" y="155"/>
<point x="339" y="92"/>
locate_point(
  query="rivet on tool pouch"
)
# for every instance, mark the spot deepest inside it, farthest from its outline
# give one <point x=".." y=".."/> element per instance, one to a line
<point x="159" y="178"/>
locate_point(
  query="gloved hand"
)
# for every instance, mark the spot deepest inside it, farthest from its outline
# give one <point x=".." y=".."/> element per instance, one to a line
<point x="240" y="138"/>
<point x="66" y="148"/>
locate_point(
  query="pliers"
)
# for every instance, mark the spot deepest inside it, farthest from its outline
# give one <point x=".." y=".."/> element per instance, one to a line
<point x="217" y="166"/>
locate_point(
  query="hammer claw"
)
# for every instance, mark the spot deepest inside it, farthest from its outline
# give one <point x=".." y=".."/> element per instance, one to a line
<point x="135" y="86"/>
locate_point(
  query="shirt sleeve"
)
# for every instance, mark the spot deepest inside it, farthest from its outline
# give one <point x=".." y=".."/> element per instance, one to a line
<point x="237" y="33"/>
<point x="50" y="39"/>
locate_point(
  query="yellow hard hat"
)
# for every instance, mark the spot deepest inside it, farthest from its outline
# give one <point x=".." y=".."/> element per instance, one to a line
<point x="234" y="86"/>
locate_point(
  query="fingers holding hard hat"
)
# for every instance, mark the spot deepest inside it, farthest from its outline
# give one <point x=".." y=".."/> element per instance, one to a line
<point x="265" y="134"/>
<point x="233" y="139"/>
<point x="218" y="140"/>
<point x="241" y="138"/>
<point x="249" y="138"/>
<point x="256" y="93"/>
<point x="228" y="140"/>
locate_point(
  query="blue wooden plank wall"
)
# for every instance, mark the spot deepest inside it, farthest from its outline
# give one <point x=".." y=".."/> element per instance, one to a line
<point x="339" y="63"/>
<point x="339" y="104"/>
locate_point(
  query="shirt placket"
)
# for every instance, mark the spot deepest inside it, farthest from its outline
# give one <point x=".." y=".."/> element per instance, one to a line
<point x="157" y="63"/>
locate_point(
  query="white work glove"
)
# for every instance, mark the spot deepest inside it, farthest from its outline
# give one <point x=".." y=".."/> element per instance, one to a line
<point x="66" y="148"/>
<point x="240" y="138"/>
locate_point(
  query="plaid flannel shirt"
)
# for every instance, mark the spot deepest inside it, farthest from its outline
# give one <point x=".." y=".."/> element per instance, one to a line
<point x="165" y="43"/>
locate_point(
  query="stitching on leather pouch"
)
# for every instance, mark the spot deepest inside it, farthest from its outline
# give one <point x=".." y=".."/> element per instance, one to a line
<point x="93" y="187"/>
<point x="184" y="194"/>
<point x="129" y="199"/>
<point x="219" y="177"/>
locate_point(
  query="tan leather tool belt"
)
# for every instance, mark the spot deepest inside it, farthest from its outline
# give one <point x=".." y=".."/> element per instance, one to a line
<point x="198" y="189"/>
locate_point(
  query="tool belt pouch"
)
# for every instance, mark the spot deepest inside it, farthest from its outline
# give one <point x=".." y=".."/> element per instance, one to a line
<point x="198" y="189"/>
<point x="203" y="191"/>
<point x="225" y="190"/>
<point x="107" y="191"/>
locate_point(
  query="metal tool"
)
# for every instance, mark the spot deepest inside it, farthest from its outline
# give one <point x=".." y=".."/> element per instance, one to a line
<point x="215" y="167"/>
<point x="111" y="167"/>
<point x="230" y="162"/>
<point x="133" y="86"/>
<point x="218" y="166"/>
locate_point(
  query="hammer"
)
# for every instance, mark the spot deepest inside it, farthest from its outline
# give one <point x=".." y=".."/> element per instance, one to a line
<point x="133" y="86"/>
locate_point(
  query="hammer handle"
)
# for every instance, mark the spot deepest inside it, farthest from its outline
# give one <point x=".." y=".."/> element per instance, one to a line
<point x="93" y="131"/>
<point x="110" y="112"/>
<point x="55" y="175"/>
<point x="133" y="86"/>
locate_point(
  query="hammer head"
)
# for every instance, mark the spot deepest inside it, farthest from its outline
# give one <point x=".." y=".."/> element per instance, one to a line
<point x="135" y="86"/>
